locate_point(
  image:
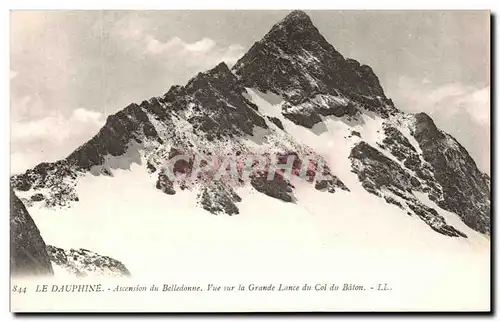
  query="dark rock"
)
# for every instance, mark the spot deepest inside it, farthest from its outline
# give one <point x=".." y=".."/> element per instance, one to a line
<point x="356" y="133"/>
<point x="309" y="112"/>
<point x="414" y="163"/>
<point x="328" y="182"/>
<point x="37" y="197"/>
<point x="28" y="255"/>
<point x="219" y="95"/>
<point x="338" y="110"/>
<point x="399" y="145"/>
<point x="82" y="262"/>
<point x="165" y="184"/>
<point x="434" y="220"/>
<point x="21" y="182"/>
<point x="154" y="106"/>
<point x="278" y="188"/>
<point x="151" y="167"/>
<point x="377" y="173"/>
<point x="276" y="121"/>
<point x="415" y="182"/>
<point x="218" y="198"/>
<point x="381" y="170"/>
<point x="307" y="119"/>
<point x="131" y="123"/>
<point x="393" y="201"/>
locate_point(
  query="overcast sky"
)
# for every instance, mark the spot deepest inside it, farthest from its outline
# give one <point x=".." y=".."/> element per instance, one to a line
<point x="69" y="70"/>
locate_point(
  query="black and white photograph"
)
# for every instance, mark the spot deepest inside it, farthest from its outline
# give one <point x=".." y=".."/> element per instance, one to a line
<point x="250" y="161"/>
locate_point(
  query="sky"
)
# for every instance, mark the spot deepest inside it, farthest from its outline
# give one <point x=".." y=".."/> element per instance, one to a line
<point x="69" y="70"/>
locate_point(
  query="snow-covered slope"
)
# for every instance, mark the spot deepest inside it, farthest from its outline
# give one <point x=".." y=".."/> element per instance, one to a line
<point x="157" y="232"/>
<point x="153" y="233"/>
<point x="30" y="256"/>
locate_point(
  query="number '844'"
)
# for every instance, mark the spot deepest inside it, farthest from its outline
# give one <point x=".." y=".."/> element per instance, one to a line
<point x="19" y="289"/>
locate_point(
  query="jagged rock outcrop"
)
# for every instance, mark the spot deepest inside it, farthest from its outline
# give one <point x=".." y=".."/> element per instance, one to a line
<point x="309" y="112"/>
<point x="217" y="104"/>
<point x="400" y="147"/>
<point x="82" y="263"/>
<point x="385" y="178"/>
<point x="219" y="198"/>
<point x="295" y="60"/>
<point x="165" y="184"/>
<point x="375" y="171"/>
<point x="278" y="188"/>
<point x="58" y="177"/>
<point x="28" y="255"/>
<point x="112" y="140"/>
<point x="276" y="121"/>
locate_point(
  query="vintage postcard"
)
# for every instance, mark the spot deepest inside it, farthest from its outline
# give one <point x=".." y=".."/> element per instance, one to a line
<point x="250" y="161"/>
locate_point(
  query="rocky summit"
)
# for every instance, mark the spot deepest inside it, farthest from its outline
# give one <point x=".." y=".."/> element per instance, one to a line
<point x="294" y="60"/>
<point x="291" y="94"/>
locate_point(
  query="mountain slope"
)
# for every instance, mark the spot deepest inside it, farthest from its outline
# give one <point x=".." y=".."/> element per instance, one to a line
<point x="392" y="181"/>
<point x="314" y="81"/>
<point x="466" y="191"/>
<point x="210" y="116"/>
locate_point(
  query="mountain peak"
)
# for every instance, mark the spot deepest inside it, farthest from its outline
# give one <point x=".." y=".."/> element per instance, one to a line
<point x="297" y="15"/>
<point x="295" y="27"/>
<point x="220" y="74"/>
<point x="294" y="17"/>
<point x="220" y="69"/>
<point x="295" y="61"/>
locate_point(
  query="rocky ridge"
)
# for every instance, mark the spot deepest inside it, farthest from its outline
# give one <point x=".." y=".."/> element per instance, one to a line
<point x="213" y="115"/>
<point x="83" y="263"/>
<point x="210" y="116"/>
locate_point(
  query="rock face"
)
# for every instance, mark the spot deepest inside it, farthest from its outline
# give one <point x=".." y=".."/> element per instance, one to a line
<point x="400" y="147"/>
<point x="82" y="263"/>
<point x="383" y="177"/>
<point x="465" y="189"/>
<point x="277" y="188"/>
<point x="295" y="60"/>
<point x="309" y="112"/>
<point x="113" y="139"/>
<point x="219" y="107"/>
<point x="59" y="177"/>
<point x="28" y="256"/>
<point x="219" y="198"/>
<point x="276" y="121"/>
<point x="215" y="114"/>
